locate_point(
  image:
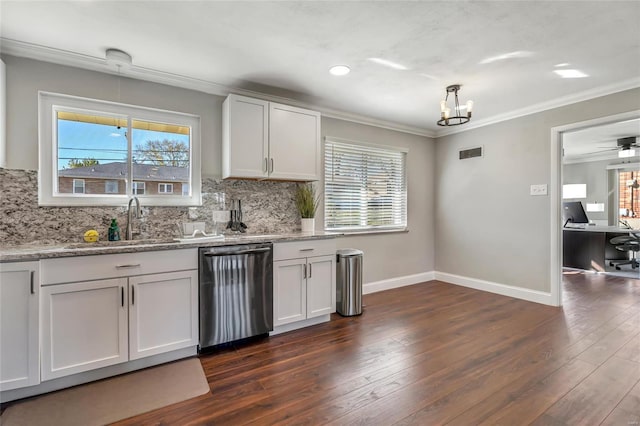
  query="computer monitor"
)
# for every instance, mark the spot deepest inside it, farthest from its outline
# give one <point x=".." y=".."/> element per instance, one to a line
<point x="572" y="211"/>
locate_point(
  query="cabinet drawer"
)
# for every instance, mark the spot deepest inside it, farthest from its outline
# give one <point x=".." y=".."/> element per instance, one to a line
<point x="87" y="268"/>
<point x="298" y="249"/>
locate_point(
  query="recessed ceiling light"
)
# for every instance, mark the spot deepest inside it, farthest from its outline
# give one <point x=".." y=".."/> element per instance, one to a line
<point x="339" y="70"/>
<point x="389" y="64"/>
<point x="571" y="73"/>
<point x="563" y="64"/>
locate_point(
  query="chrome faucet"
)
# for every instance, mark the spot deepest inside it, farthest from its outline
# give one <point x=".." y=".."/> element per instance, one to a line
<point x="137" y="213"/>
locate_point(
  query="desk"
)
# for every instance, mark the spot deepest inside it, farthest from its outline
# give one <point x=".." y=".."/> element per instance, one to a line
<point x="589" y="248"/>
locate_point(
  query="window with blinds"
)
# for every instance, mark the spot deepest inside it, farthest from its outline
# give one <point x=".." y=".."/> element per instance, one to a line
<point x="365" y="187"/>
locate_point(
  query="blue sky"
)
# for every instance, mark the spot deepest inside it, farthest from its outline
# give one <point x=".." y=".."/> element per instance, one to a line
<point x="106" y="144"/>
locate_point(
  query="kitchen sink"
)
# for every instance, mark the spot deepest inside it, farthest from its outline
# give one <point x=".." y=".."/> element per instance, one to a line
<point x="121" y="243"/>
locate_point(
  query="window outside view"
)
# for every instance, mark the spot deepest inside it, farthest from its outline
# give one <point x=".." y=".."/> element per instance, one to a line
<point x="365" y="187"/>
<point x="629" y="197"/>
<point x="93" y="156"/>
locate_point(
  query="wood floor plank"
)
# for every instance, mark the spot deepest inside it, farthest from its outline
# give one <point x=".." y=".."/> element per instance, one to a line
<point x="525" y="399"/>
<point x="599" y="352"/>
<point x="628" y="411"/>
<point x="435" y="353"/>
<point x="595" y="397"/>
<point x="631" y="350"/>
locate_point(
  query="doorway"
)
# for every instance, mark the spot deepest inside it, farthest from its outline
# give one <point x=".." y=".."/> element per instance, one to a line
<point x="604" y="173"/>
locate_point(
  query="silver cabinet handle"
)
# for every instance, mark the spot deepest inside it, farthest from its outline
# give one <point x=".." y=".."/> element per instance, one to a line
<point x="33" y="289"/>
<point x="309" y="270"/>
<point x="304" y="271"/>
<point x="266" y="165"/>
<point x="131" y="265"/>
<point x="309" y="249"/>
<point x="271" y="166"/>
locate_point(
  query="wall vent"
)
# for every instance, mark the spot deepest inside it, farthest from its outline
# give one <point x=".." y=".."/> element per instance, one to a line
<point x="471" y="153"/>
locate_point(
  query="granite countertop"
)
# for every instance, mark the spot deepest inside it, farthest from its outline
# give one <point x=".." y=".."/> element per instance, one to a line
<point x="31" y="252"/>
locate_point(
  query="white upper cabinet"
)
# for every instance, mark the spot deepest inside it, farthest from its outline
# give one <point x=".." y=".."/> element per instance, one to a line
<point x="294" y="143"/>
<point x="3" y="116"/>
<point x="245" y="141"/>
<point x="269" y="140"/>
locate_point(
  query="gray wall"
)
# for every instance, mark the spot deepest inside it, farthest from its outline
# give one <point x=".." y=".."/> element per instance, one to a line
<point x="487" y="225"/>
<point x="25" y="77"/>
<point x="387" y="255"/>
<point x="392" y="255"/>
<point x="596" y="176"/>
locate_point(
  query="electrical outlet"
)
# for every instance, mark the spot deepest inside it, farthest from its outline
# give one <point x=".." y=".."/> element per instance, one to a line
<point x="540" y="189"/>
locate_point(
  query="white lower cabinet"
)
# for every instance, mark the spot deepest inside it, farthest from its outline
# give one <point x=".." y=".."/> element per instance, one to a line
<point x="290" y="291"/>
<point x="163" y="313"/>
<point x="321" y="285"/>
<point x="19" y="316"/>
<point x="304" y="287"/>
<point x="84" y="326"/>
<point x="101" y="322"/>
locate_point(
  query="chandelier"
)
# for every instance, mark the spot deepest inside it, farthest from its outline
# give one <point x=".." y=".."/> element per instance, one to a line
<point x="446" y="119"/>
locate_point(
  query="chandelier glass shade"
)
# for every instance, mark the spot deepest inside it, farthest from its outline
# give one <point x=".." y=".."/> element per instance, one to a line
<point x="446" y="117"/>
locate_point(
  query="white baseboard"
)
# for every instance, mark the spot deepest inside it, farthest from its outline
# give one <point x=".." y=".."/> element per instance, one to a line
<point x="503" y="289"/>
<point x="491" y="287"/>
<point x="397" y="282"/>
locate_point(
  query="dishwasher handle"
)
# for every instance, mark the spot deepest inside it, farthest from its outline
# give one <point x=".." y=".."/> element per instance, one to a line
<point x="231" y="253"/>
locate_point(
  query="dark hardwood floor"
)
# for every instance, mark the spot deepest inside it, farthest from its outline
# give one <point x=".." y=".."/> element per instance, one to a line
<point x="437" y="353"/>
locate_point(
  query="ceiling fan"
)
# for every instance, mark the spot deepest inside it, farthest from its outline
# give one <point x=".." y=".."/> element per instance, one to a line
<point x="625" y="146"/>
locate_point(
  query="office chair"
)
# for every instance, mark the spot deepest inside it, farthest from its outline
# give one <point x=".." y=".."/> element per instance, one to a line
<point x="627" y="243"/>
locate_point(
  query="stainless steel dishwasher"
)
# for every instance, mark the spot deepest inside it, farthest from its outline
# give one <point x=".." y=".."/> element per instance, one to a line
<point x="236" y="293"/>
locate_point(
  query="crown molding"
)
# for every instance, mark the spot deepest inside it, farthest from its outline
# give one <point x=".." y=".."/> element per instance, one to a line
<point x="92" y="63"/>
<point x="544" y="106"/>
<point x="72" y="59"/>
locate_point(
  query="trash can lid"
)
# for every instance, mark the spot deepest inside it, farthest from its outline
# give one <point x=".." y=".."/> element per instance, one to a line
<point x="349" y="252"/>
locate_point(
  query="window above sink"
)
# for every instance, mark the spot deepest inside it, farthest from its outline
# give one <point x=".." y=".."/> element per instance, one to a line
<point x="94" y="152"/>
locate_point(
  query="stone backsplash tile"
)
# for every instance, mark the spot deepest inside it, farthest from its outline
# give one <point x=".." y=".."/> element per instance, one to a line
<point x="268" y="207"/>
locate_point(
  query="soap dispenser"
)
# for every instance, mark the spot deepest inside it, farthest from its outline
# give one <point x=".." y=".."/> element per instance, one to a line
<point x="114" y="231"/>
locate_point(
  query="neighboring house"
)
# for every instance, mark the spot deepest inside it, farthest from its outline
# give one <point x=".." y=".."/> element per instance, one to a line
<point x="110" y="178"/>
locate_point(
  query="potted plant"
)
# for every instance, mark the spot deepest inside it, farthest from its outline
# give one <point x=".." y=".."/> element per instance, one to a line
<point x="307" y="203"/>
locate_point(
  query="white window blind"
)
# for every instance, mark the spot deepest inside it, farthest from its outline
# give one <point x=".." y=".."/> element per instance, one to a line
<point x="365" y="187"/>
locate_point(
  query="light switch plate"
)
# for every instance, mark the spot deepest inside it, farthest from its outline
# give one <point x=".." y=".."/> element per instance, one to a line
<point x="540" y="189"/>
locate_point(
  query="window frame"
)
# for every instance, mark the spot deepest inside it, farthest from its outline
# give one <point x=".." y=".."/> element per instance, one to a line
<point x="166" y="185"/>
<point x="84" y="186"/>
<point x="362" y="229"/>
<point x="48" y="195"/>
<point x="112" y="181"/>
<point x="135" y="187"/>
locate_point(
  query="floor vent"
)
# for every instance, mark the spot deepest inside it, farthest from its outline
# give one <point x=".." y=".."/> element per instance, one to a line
<point x="471" y="153"/>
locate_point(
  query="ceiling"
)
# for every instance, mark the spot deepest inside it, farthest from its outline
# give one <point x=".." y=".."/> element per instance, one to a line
<point x="600" y="142"/>
<point x="503" y="53"/>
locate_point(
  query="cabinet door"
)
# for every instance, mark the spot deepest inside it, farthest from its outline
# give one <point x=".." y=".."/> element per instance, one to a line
<point x="289" y="291"/>
<point x="294" y="143"/>
<point x="163" y="313"/>
<point x="245" y="142"/>
<point x="19" y="350"/>
<point x="84" y="326"/>
<point x="321" y="285"/>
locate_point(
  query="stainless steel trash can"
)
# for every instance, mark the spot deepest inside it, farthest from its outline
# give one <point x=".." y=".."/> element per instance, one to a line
<point x="349" y="282"/>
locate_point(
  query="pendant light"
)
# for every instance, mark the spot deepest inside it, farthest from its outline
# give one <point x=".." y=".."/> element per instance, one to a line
<point x="446" y="119"/>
